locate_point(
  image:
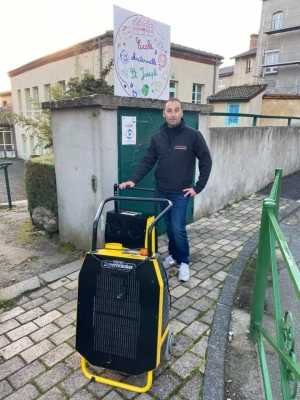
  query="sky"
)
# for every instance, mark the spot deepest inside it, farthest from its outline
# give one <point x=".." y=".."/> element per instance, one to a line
<point x="31" y="29"/>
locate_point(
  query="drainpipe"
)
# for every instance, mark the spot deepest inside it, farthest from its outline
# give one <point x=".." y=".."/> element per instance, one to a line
<point x="100" y="56"/>
<point x="214" y="80"/>
<point x="215" y="71"/>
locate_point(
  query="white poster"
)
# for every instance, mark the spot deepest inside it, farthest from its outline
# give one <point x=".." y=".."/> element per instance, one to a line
<point x="142" y="56"/>
<point x="128" y="130"/>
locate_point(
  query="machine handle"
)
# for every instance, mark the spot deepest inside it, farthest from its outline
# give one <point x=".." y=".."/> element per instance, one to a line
<point x="118" y="198"/>
<point x="116" y="193"/>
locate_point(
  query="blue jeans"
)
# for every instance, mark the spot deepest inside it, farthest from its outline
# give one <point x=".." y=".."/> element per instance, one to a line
<point x="175" y="221"/>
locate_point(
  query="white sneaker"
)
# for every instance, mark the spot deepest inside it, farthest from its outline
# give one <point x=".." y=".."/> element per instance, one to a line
<point x="184" y="272"/>
<point x="169" y="262"/>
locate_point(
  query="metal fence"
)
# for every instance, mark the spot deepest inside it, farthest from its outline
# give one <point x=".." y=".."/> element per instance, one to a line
<point x="283" y="345"/>
<point x="253" y="116"/>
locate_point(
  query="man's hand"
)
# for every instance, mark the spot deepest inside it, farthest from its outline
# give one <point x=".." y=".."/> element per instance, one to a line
<point x="189" y="192"/>
<point x="124" y="184"/>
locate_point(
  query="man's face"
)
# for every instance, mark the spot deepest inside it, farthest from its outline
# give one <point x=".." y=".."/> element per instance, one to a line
<point x="173" y="113"/>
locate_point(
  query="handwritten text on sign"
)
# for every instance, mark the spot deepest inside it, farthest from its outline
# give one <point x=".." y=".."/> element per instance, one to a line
<point x="142" y="56"/>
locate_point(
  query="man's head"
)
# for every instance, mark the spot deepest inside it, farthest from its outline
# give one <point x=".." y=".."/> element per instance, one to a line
<point x="173" y="112"/>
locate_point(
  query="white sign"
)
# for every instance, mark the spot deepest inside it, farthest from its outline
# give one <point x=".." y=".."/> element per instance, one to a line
<point x="10" y="154"/>
<point x="142" y="56"/>
<point x="128" y="130"/>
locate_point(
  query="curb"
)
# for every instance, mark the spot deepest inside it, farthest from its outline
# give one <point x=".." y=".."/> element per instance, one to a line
<point x="36" y="282"/>
<point x="216" y="349"/>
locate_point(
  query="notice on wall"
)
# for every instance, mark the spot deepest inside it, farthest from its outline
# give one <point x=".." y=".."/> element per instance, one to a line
<point x="128" y="130"/>
<point x="142" y="56"/>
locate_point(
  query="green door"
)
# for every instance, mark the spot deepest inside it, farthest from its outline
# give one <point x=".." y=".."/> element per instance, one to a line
<point x="147" y="123"/>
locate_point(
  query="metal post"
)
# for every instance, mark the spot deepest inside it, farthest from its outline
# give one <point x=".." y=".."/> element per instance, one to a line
<point x="5" y="166"/>
<point x="262" y="267"/>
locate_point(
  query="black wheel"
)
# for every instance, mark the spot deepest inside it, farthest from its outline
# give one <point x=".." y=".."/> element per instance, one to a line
<point x="166" y="355"/>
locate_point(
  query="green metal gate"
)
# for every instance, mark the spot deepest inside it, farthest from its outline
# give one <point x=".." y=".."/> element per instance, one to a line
<point x="147" y="123"/>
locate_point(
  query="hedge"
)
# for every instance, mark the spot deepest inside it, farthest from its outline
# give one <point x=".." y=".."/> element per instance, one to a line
<point x="40" y="183"/>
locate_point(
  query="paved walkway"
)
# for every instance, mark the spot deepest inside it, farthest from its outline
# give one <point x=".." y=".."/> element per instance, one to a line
<point x="15" y="178"/>
<point x="37" y="332"/>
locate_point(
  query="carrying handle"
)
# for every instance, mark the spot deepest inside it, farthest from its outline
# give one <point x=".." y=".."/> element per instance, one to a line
<point x="118" y="198"/>
<point x="116" y="193"/>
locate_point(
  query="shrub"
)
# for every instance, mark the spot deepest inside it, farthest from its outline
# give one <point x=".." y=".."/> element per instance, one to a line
<point x="40" y="183"/>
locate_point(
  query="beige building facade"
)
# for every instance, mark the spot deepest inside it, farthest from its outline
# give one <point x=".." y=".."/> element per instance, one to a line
<point x="225" y="77"/>
<point x="245" y="64"/>
<point x="193" y="77"/>
<point x="5" y="101"/>
<point x="272" y="61"/>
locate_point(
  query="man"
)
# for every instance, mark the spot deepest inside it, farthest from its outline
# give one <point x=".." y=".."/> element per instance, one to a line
<point x="175" y="148"/>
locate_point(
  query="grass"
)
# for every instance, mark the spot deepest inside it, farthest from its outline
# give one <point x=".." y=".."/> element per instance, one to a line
<point x="25" y="233"/>
<point x="244" y="294"/>
<point x="4" y="304"/>
<point x="68" y="247"/>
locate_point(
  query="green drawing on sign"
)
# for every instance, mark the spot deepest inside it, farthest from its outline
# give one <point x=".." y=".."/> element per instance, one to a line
<point x="145" y="90"/>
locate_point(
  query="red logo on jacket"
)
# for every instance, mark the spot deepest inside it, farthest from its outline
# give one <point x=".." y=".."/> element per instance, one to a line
<point x="177" y="147"/>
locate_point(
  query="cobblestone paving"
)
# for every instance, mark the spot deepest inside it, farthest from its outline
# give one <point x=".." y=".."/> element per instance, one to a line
<point x="37" y="335"/>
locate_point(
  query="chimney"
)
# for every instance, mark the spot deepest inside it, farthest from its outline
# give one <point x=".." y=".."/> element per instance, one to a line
<point x="253" y="41"/>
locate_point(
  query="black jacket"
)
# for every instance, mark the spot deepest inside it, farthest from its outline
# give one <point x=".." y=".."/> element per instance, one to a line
<point x="175" y="151"/>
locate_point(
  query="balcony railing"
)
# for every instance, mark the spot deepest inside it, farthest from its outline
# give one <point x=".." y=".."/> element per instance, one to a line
<point x="290" y="21"/>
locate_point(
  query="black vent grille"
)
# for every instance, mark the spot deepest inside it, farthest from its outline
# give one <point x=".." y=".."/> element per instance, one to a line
<point x="116" y="322"/>
<point x="166" y="307"/>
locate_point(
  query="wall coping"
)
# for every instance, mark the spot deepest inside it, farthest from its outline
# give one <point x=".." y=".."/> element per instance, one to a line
<point x="110" y="102"/>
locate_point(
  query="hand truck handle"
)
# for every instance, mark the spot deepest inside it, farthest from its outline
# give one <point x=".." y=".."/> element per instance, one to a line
<point x="117" y="198"/>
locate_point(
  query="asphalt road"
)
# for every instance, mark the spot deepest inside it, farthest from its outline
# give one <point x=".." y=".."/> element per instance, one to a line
<point x="290" y="188"/>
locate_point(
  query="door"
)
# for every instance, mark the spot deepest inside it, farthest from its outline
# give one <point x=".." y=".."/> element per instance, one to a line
<point x="148" y="122"/>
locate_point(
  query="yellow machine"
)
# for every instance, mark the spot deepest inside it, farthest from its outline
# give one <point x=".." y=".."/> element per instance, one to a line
<point x="124" y="300"/>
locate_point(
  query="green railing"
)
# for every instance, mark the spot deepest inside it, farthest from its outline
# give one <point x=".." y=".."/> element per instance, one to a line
<point x="254" y="116"/>
<point x="270" y="235"/>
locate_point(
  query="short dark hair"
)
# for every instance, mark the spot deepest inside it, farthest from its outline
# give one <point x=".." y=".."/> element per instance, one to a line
<point x="173" y="99"/>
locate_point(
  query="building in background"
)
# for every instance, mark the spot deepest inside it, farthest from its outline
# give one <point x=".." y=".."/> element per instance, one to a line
<point x="278" y="58"/>
<point x="245" y="99"/>
<point x="6" y="101"/>
<point x="7" y="138"/>
<point x="244" y="65"/>
<point x="225" y="77"/>
<point x="272" y="61"/>
<point x="193" y="77"/>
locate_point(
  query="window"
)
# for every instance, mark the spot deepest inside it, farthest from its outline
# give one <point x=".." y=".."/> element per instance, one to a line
<point x="271" y="57"/>
<point x="20" y="103"/>
<point x="24" y="145"/>
<point x="4" y="103"/>
<point x="277" y="21"/>
<point x="47" y="92"/>
<point x="28" y="101"/>
<point x="197" y="93"/>
<point x="5" y="140"/>
<point x="35" y="94"/>
<point x="41" y="147"/>
<point x="35" y="100"/>
<point x="63" y="87"/>
<point x="31" y="145"/>
<point x="249" y="65"/>
<point x="173" y="89"/>
<point x="233" y="120"/>
<point x="221" y="83"/>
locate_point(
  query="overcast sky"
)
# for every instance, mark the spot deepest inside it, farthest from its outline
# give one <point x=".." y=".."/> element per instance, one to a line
<point x="34" y="28"/>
